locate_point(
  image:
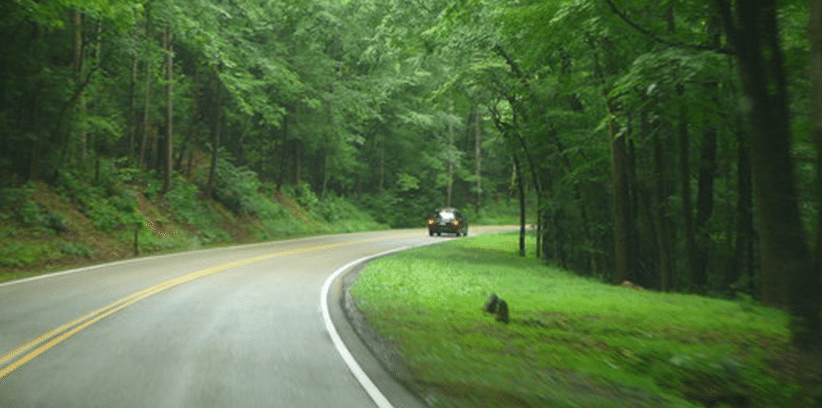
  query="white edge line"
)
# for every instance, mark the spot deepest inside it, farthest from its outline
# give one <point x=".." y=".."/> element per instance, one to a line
<point x="181" y="253"/>
<point x="355" y="368"/>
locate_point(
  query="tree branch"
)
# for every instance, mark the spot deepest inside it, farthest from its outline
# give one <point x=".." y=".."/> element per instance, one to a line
<point x="653" y="36"/>
<point x="510" y="61"/>
<point x="77" y="92"/>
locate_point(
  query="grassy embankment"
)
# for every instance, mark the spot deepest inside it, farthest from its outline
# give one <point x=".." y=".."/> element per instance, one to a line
<point x="572" y="341"/>
<point x="47" y="228"/>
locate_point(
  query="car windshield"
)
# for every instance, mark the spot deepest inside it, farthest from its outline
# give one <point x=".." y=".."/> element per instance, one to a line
<point x="446" y="215"/>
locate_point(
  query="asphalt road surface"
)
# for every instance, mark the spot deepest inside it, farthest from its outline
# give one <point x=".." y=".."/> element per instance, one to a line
<point x="231" y="327"/>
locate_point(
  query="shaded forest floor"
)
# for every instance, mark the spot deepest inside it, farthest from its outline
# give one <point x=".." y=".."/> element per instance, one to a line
<point x="573" y="341"/>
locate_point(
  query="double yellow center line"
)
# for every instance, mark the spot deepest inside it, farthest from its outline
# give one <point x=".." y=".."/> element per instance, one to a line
<point x="26" y="352"/>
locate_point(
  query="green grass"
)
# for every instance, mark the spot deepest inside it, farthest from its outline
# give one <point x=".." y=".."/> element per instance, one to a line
<point x="572" y="341"/>
<point x="16" y="254"/>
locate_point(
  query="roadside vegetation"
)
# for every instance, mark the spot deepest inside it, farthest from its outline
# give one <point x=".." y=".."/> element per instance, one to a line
<point x="122" y="214"/>
<point x="572" y="341"/>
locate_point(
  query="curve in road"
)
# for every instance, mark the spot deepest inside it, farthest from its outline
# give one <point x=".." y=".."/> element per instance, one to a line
<point x="234" y="326"/>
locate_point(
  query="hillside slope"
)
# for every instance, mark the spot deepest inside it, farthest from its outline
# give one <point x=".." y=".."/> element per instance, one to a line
<point x="46" y="228"/>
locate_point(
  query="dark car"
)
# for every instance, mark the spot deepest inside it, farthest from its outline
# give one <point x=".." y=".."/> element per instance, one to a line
<point x="447" y="220"/>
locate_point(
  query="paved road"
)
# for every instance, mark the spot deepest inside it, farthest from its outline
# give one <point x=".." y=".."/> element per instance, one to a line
<point x="230" y="327"/>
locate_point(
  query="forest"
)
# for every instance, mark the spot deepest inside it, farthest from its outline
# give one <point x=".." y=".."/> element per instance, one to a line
<point x="676" y="144"/>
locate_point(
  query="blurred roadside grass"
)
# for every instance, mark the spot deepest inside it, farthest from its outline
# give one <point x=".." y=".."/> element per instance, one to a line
<point x="572" y="341"/>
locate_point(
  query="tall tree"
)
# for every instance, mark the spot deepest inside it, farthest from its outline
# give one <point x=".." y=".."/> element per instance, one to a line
<point x="478" y="156"/>
<point x="146" y="128"/>
<point x="168" y="162"/>
<point x="623" y="264"/>
<point x="816" y="99"/>
<point x="788" y="276"/>
<point x="216" y="128"/>
<point x="707" y="170"/>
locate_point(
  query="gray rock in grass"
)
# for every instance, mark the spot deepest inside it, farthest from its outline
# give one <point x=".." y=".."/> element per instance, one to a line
<point x="502" y="311"/>
<point x="497" y="307"/>
<point x="491" y="304"/>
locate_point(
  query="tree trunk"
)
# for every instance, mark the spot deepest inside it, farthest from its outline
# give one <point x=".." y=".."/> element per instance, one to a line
<point x="154" y="154"/>
<point x="189" y="162"/>
<point x="538" y="232"/>
<point x="297" y="161"/>
<point x="215" y="140"/>
<point x="181" y="152"/>
<point x="449" y="189"/>
<point x="282" y="145"/>
<point x="326" y="175"/>
<point x="707" y="173"/>
<point x="450" y="186"/>
<point x="77" y="40"/>
<point x="685" y="190"/>
<point x="521" y="194"/>
<point x="382" y="162"/>
<point x="133" y="115"/>
<point x="663" y="235"/>
<point x="787" y="274"/>
<point x="743" y="259"/>
<point x="478" y="157"/>
<point x="622" y="212"/>
<point x="635" y="193"/>
<point x="704" y="204"/>
<point x="29" y="117"/>
<point x="78" y="46"/>
<point x="518" y="116"/>
<point x="36" y="145"/>
<point x="169" y="109"/>
<point x="816" y="99"/>
<point x="191" y="135"/>
<point x="146" y="95"/>
<point x="98" y="145"/>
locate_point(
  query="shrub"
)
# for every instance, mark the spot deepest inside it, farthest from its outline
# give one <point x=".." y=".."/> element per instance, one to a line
<point x="21" y="206"/>
<point x="344" y="215"/>
<point x="75" y="249"/>
<point x="108" y="205"/>
<point x="183" y="199"/>
<point x="18" y="254"/>
<point x="235" y="188"/>
<point x="303" y="195"/>
<point x="57" y="223"/>
<point x="239" y="190"/>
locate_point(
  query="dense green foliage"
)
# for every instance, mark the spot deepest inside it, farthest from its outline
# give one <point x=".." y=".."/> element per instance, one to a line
<point x="313" y="92"/>
<point x="669" y="143"/>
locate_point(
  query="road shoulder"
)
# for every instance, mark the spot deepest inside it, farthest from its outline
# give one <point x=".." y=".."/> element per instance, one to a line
<point x="378" y="357"/>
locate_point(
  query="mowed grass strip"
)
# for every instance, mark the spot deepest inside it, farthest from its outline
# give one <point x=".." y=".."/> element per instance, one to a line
<point x="572" y="341"/>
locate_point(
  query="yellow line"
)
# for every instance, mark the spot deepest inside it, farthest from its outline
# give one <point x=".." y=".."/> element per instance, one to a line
<point x="67" y="330"/>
